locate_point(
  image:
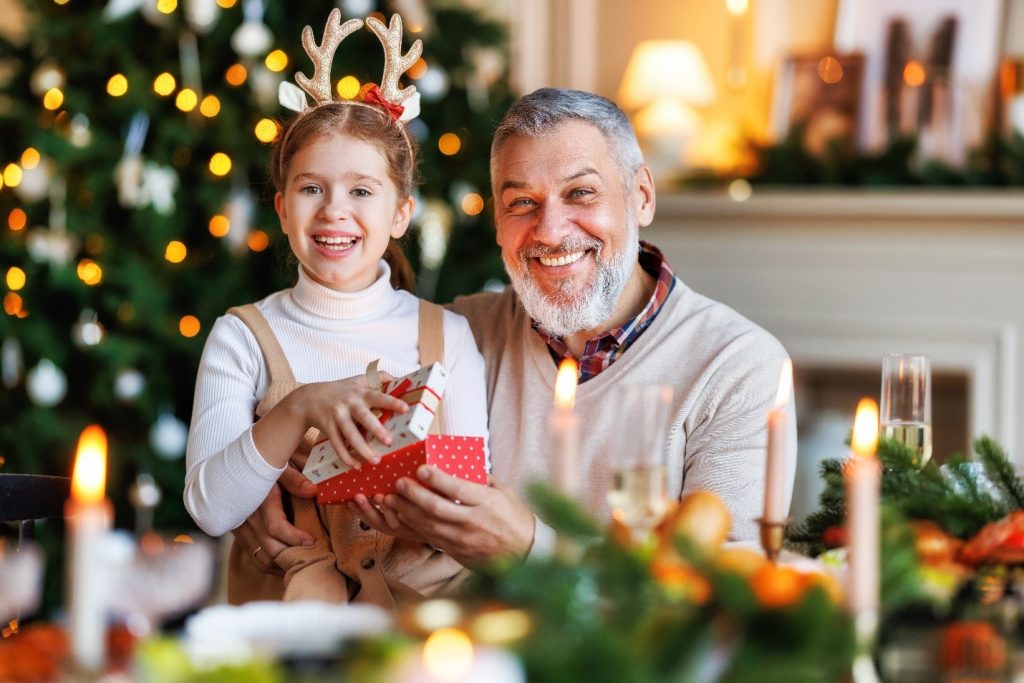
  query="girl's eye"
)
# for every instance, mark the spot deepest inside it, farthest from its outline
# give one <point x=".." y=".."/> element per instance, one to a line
<point x="309" y="189"/>
<point x="361" y="192"/>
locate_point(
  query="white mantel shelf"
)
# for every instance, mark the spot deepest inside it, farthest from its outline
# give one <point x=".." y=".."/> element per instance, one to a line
<point x="842" y="277"/>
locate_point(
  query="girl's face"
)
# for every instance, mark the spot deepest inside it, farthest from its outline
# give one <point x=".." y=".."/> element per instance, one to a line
<point x="339" y="208"/>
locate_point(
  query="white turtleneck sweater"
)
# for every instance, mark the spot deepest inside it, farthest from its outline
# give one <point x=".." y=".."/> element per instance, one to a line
<point x="326" y="335"/>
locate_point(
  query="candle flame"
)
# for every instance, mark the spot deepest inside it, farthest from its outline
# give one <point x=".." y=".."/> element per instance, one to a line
<point x="785" y="385"/>
<point x="865" y="429"/>
<point x="89" y="478"/>
<point x="565" y="383"/>
<point x="448" y="654"/>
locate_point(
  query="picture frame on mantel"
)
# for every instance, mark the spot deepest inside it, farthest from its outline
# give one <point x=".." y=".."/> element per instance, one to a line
<point x="930" y="71"/>
<point x="819" y="92"/>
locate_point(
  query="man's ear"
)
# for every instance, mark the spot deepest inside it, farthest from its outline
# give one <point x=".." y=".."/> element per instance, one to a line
<point x="403" y="214"/>
<point x="643" y="197"/>
<point x="282" y="214"/>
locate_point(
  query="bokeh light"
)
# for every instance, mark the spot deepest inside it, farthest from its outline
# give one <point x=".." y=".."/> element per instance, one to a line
<point x="189" y="326"/>
<point x="53" y="99"/>
<point x="175" y="251"/>
<point x="266" y="130"/>
<point x="220" y="225"/>
<point x="210" y="106"/>
<point x="89" y="272"/>
<point x="30" y="158"/>
<point x="236" y="75"/>
<point x="164" y="84"/>
<point x="186" y="99"/>
<point x="348" y="87"/>
<point x="276" y="61"/>
<point x="17" y="219"/>
<point x="117" y="85"/>
<point x="12" y="175"/>
<point x="472" y="203"/>
<point x="220" y="164"/>
<point x="449" y="144"/>
<point x="15" y="278"/>
<point x="258" y="240"/>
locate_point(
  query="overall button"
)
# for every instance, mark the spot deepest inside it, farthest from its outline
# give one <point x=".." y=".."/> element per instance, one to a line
<point x="364" y="526"/>
<point x="368" y="563"/>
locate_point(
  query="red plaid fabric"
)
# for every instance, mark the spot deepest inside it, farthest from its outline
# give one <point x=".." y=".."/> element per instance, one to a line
<point x="605" y="349"/>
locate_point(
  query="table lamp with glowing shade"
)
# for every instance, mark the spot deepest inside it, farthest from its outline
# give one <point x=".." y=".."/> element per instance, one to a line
<point x="663" y="82"/>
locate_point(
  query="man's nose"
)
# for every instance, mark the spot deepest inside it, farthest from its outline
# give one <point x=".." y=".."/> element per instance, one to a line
<point x="552" y="225"/>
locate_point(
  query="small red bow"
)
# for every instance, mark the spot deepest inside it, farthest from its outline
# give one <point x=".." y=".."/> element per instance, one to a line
<point x="372" y="95"/>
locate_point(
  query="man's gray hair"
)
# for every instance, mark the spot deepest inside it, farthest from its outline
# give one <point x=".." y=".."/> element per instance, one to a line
<point x="543" y="110"/>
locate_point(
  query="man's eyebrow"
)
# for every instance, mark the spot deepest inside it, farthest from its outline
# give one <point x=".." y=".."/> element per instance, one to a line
<point x="520" y="185"/>
<point x="512" y="185"/>
<point x="580" y="173"/>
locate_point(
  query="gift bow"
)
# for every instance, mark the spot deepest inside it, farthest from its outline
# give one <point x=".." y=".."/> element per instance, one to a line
<point x="402" y="391"/>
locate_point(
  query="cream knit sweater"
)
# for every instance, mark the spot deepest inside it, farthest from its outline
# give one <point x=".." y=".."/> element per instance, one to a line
<point x="725" y="372"/>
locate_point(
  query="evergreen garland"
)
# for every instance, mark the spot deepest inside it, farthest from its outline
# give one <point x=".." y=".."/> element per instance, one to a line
<point x="951" y="495"/>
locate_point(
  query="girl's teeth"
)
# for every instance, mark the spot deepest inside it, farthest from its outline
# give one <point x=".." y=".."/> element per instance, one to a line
<point x="338" y="243"/>
<point x="563" y="260"/>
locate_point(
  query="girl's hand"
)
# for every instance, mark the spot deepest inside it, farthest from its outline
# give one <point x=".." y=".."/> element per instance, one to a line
<point x="338" y="409"/>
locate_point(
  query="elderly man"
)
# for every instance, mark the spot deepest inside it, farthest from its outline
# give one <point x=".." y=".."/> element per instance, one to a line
<point x="571" y="192"/>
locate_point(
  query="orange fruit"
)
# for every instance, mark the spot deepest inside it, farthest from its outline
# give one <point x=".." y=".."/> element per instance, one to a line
<point x="681" y="580"/>
<point x="742" y="561"/>
<point x="777" y="586"/>
<point x="701" y="517"/>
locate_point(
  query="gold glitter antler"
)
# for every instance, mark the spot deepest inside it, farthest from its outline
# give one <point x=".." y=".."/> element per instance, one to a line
<point x="319" y="87"/>
<point x="395" y="63"/>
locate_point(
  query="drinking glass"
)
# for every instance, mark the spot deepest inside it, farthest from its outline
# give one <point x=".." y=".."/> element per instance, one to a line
<point x="158" y="577"/>
<point x="905" y="413"/>
<point x="639" y="489"/>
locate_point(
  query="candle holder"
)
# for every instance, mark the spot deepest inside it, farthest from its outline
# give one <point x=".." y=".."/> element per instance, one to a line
<point x="865" y="630"/>
<point x="773" y="535"/>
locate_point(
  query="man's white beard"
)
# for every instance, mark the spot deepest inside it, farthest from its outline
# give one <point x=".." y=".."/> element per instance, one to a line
<point x="573" y="308"/>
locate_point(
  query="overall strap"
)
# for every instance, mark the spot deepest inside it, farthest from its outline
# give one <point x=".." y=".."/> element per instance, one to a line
<point x="431" y="347"/>
<point x="277" y="363"/>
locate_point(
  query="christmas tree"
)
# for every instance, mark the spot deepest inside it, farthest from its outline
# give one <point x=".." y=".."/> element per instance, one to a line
<point x="136" y="207"/>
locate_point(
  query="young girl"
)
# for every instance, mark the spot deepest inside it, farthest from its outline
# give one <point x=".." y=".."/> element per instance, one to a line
<point x="343" y="172"/>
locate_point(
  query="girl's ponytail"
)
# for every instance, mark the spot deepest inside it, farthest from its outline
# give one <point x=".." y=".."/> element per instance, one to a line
<point x="402" y="276"/>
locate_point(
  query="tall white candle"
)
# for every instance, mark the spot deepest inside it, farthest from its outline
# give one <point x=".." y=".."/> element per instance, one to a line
<point x="89" y="516"/>
<point x="565" y="430"/>
<point x="863" y="479"/>
<point x="777" y="452"/>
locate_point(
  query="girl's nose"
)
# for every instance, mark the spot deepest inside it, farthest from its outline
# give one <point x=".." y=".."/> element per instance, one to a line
<point x="335" y="206"/>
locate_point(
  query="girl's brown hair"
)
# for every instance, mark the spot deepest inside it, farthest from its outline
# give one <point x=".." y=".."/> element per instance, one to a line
<point x="372" y="125"/>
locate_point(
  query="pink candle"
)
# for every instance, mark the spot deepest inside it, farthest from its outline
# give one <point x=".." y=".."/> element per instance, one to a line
<point x="565" y="430"/>
<point x="776" y="455"/>
<point x="88" y="515"/>
<point x="863" y="478"/>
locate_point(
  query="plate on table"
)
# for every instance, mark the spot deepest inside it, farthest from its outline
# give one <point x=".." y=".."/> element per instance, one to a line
<point x="279" y="629"/>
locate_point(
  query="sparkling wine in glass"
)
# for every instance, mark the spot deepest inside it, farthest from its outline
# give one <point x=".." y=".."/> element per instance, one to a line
<point x="906" y="407"/>
<point x="638" y="496"/>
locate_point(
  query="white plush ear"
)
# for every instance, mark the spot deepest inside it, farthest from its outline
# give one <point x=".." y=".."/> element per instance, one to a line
<point x="412" y="108"/>
<point x="291" y="96"/>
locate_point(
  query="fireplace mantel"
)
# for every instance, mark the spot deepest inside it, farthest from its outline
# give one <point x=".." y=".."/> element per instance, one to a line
<point x="843" y="277"/>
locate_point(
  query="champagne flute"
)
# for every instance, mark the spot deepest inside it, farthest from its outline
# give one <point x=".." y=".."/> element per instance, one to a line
<point x="906" y="406"/>
<point x="639" y="489"/>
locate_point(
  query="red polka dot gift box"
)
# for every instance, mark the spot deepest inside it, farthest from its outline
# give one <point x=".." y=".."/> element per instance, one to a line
<point x="460" y="456"/>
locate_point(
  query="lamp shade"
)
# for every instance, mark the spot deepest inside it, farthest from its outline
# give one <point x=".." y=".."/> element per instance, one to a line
<point x="666" y="68"/>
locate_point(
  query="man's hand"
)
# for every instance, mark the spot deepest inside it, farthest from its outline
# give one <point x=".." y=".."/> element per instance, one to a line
<point x="268" y="529"/>
<point x="471" y="522"/>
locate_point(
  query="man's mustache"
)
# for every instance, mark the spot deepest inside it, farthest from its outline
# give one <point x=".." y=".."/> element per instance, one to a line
<point x="566" y="246"/>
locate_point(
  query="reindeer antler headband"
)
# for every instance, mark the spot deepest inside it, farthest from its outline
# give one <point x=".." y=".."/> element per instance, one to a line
<point x="402" y="104"/>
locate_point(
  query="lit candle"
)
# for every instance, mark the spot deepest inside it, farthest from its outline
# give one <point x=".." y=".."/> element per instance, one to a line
<point x="565" y="430"/>
<point x="88" y="519"/>
<point x="863" y="478"/>
<point x="776" y="455"/>
<point x="448" y="656"/>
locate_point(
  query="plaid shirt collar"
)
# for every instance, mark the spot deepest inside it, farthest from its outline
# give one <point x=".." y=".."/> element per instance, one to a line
<point x="604" y="349"/>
